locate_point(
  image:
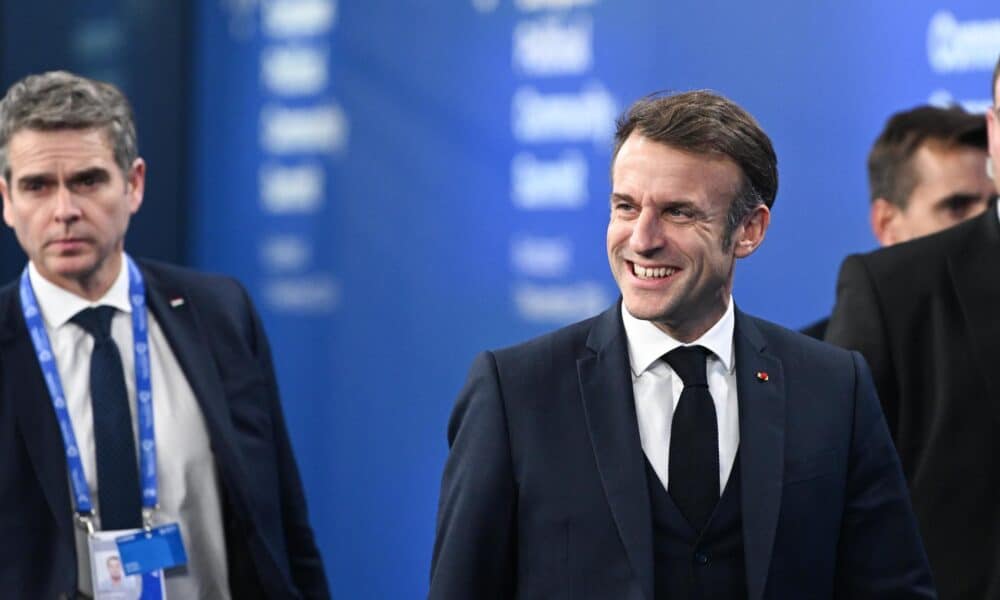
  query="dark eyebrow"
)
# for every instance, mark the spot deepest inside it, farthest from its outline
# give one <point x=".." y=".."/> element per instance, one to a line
<point x="680" y="204"/>
<point x="958" y="199"/>
<point x="26" y="181"/>
<point x="97" y="173"/>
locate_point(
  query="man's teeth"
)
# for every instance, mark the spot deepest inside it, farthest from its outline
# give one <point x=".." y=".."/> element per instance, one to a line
<point x="653" y="273"/>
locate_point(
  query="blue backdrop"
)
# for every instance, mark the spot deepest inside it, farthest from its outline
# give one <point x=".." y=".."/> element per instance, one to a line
<point x="402" y="184"/>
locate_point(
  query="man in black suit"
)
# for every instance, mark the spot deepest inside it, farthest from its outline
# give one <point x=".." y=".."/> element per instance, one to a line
<point x="674" y="446"/>
<point x="924" y="315"/>
<point x="925" y="174"/>
<point x="114" y="341"/>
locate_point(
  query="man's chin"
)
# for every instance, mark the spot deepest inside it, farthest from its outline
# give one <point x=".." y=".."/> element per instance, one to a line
<point x="644" y="311"/>
<point x="66" y="268"/>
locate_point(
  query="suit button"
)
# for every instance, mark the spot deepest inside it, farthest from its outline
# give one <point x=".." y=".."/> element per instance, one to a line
<point x="702" y="558"/>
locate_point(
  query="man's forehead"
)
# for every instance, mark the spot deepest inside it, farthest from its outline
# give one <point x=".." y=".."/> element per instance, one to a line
<point x="933" y="154"/>
<point x="637" y="142"/>
<point x="33" y="147"/>
<point x="669" y="161"/>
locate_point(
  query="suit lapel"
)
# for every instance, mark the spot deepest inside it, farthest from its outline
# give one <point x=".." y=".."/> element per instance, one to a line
<point x="24" y="388"/>
<point x="762" y="442"/>
<point x="609" y="407"/>
<point x="190" y="346"/>
<point x="188" y="338"/>
<point x="974" y="274"/>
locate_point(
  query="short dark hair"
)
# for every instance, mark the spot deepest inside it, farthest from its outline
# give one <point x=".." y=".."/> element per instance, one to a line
<point x="704" y="122"/>
<point x="61" y="100"/>
<point x="891" y="174"/>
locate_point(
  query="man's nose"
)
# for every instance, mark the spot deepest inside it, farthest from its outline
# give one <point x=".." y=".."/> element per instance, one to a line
<point x="647" y="234"/>
<point x="67" y="209"/>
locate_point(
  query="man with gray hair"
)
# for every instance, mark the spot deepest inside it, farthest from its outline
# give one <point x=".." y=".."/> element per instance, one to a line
<point x="94" y="344"/>
<point x="674" y="446"/>
<point x="925" y="316"/>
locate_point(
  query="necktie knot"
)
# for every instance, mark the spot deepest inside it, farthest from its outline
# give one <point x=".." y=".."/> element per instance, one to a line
<point x="96" y="321"/>
<point x="689" y="364"/>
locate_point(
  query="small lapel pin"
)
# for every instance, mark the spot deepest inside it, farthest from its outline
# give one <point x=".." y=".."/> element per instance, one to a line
<point x="175" y="302"/>
<point x="762" y="375"/>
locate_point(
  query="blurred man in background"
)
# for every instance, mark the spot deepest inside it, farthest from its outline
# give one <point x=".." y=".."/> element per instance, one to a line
<point x="926" y="316"/>
<point x="674" y="446"/>
<point x="925" y="174"/>
<point x="94" y="343"/>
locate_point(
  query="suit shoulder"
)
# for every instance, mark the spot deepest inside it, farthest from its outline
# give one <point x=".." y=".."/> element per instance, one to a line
<point x="800" y="348"/>
<point x="208" y="288"/>
<point x="171" y="273"/>
<point x="9" y="290"/>
<point x="918" y="259"/>
<point x="817" y="329"/>
<point x="8" y="302"/>
<point x="561" y="340"/>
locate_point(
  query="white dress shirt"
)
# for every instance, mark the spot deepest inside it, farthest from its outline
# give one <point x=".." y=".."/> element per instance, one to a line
<point x="187" y="484"/>
<point x="657" y="388"/>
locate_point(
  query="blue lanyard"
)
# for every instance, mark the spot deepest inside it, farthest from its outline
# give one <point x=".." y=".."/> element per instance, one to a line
<point x="143" y="388"/>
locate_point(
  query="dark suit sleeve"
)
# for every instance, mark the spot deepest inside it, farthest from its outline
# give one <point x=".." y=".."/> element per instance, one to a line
<point x="474" y="551"/>
<point x="880" y="553"/>
<point x="858" y="324"/>
<point x="303" y="556"/>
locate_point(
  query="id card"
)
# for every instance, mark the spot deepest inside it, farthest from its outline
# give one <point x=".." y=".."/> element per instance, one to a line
<point x="108" y="575"/>
<point x="154" y="550"/>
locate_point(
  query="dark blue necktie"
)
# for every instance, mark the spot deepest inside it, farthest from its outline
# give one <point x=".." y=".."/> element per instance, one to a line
<point x="693" y="478"/>
<point x="118" y="492"/>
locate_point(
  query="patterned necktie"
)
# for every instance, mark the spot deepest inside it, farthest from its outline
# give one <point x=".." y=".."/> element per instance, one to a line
<point x="693" y="478"/>
<point x="119" y="496"/>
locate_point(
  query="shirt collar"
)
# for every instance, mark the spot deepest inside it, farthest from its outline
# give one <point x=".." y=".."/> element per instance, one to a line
<point x="647" y="343"/>
<point x="58" y="305"/>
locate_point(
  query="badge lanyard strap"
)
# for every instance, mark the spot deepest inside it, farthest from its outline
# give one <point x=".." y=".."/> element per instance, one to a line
<point x="143" y="387"/>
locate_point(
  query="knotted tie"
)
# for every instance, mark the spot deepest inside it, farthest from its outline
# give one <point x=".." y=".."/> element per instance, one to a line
<point x="118" y="490"/>
<point x="693" y="478"/>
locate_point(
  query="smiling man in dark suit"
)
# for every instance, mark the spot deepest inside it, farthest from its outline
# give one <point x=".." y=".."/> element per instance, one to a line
<point x="926" y="316"/>
<point x="674" y="446"/>
<point x="114" y="341"/>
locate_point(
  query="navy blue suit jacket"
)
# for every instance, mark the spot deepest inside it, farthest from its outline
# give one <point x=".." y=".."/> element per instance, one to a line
<point x="221" y="347"/>
<point x="544" y="493"/>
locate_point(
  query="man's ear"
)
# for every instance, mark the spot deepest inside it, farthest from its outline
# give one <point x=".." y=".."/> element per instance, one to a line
<point x="885" y="222"/>
<point x="751" y="233"/>
<point x="135" y="180"/>
<point x="8" y="218"/>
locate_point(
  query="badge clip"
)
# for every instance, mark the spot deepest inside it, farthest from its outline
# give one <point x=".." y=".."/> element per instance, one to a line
<point x="147" y="516"/>
<point x="85" y="521"/>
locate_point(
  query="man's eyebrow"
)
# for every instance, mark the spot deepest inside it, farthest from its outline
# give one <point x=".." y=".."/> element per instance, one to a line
<point x="34" y="179"/>
<point x="98" y="173"/>
<point x="957" y="199"/>
<point x="622" y="197"/>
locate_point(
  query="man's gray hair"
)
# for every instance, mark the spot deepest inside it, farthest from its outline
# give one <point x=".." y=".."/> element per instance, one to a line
<point x="61" y="100"/>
